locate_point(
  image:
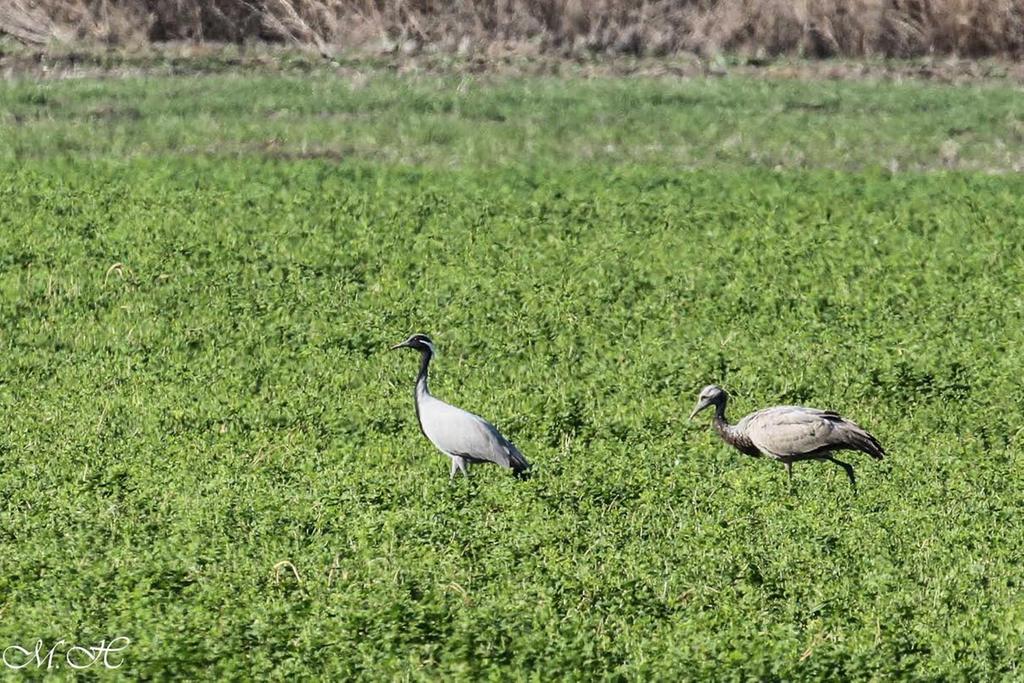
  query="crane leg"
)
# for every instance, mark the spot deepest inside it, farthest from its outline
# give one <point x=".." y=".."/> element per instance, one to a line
<point x="459" y="465"/>
<point x="849" y="470"/>
<point x="789" y="471"/>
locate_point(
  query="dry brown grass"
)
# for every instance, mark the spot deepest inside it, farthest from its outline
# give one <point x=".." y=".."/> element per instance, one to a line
<point x="811" y="28"/>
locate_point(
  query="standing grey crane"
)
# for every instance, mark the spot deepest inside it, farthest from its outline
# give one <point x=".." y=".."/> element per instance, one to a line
<point x="462" y="436"/>
<point x="790" y="433"/>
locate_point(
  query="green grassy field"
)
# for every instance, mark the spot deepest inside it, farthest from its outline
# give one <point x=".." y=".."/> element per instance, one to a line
<point x="200" y="278"/>
<point x="533" y="124"/>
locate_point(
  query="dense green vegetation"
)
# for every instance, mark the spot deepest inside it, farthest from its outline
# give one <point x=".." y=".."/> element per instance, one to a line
<point x="195" y="386"/>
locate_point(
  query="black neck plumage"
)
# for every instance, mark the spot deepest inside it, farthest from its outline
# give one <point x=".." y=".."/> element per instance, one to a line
<point x="421" y="385"/>
<point x="421" y="379"/>
<point x="731" y="435"/>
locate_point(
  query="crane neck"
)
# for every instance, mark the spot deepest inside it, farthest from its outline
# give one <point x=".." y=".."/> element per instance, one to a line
<point x="421" y="378"/>
<point x="721" y="423"/>
<point x="732" y="435"/>
<point x="422" y="391"/>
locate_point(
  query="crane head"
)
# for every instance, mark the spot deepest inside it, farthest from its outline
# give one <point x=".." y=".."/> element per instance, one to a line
<point x="420" y="342"/>
<point x="711" y="395"/>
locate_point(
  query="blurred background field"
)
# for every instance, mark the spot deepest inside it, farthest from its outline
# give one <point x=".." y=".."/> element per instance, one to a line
<point x="362" y="112"/>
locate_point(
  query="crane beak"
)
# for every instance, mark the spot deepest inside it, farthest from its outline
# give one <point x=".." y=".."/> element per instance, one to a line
<point x="701" y="405"/>
<point x="399" y="346"/>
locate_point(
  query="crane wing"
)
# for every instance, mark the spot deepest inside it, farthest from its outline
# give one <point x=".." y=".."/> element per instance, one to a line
<point x="463" y="434"/>
<point x="795" y="430"/>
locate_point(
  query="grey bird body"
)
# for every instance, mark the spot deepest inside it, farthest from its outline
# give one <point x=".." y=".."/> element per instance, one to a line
<point x="464" y="437"/>
<point x="790" y="433"/>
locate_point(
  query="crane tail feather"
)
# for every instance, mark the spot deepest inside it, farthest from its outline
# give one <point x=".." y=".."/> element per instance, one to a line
<point x="520" y="466"/>
<point x="866" y="443"/>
